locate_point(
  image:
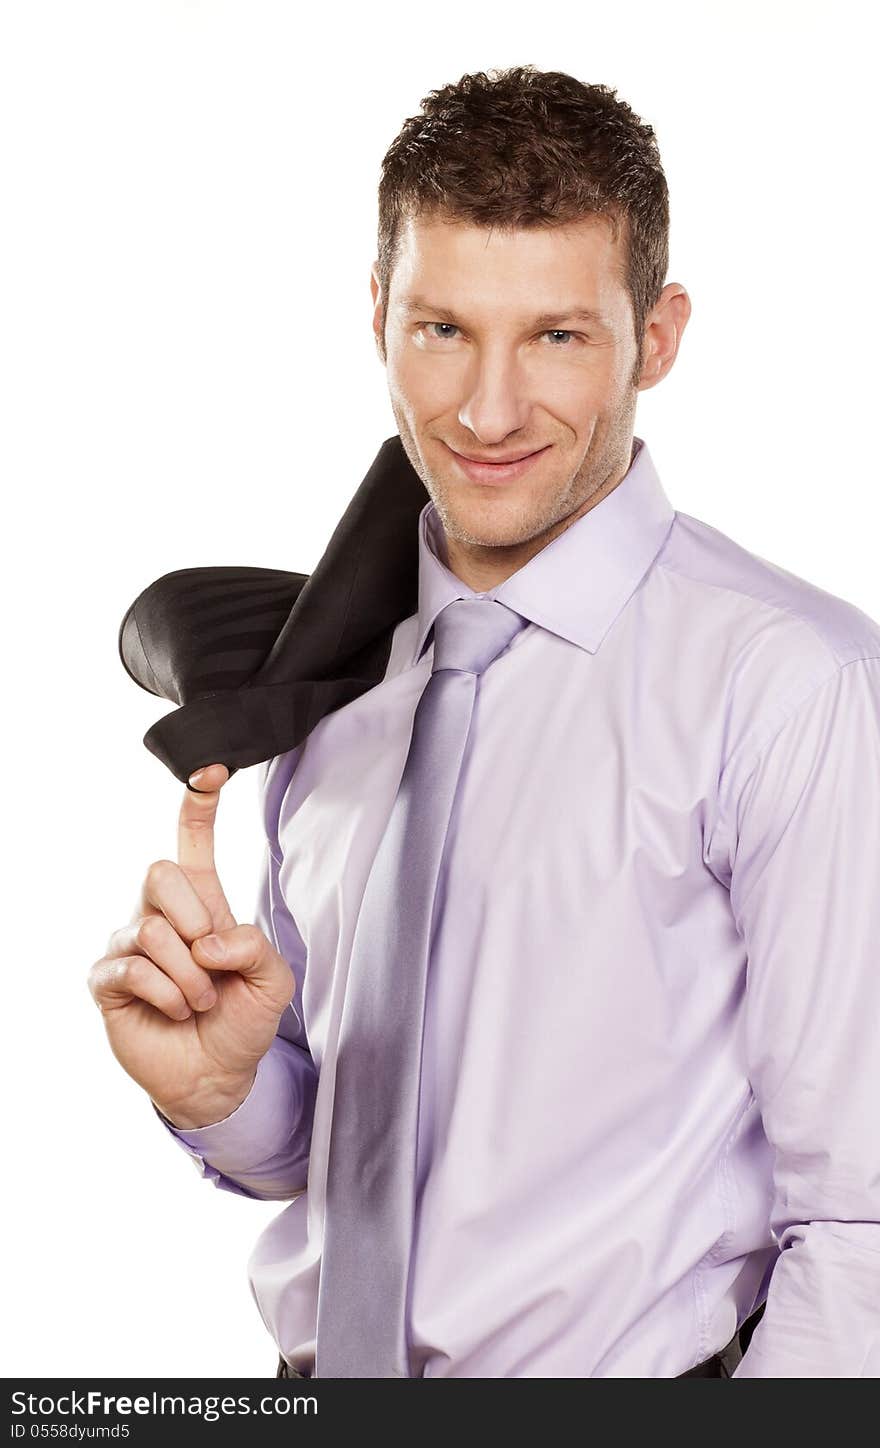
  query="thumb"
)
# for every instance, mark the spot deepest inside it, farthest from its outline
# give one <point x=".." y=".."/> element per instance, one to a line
<point x="247" y="950"/>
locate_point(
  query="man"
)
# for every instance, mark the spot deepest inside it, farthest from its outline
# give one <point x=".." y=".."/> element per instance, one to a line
<point x="561" y="1040"/>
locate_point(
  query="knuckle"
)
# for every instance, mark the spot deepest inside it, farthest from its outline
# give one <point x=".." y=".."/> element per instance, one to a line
<point x="129" y="971"/>
<point x="201" y="823"/>
<point x="252" y="937"/>
<point x="112" y="942"/>
<point x="151" y="932"/>
<point x="96" y="975"/>
<point x="159" y="873"/>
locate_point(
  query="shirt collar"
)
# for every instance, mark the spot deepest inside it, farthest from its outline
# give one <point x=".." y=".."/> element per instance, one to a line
<point x="578" y="584"/>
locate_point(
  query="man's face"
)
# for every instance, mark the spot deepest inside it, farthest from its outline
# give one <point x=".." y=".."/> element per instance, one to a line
<point x="487" y="358"/>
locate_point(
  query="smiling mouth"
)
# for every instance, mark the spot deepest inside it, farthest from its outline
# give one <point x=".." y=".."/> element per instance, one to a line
<point x="500" y="462"/>
<point x="508" y="470"/>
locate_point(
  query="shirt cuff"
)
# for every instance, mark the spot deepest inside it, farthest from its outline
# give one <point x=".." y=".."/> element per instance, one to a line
<point x="261" y="1125"/>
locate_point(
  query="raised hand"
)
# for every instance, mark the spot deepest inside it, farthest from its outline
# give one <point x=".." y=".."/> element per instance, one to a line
<point x="190" y="1026"/>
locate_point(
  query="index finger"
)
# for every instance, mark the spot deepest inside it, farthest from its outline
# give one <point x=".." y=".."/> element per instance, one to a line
<point x="195" y="825"/>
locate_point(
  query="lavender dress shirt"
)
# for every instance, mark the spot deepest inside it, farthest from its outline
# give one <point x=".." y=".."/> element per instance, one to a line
<point x="651" y="1071"/>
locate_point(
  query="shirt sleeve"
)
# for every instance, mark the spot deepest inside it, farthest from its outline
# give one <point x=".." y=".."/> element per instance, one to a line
<point x="805" y="894"/>
<point x="261" y="1150"/>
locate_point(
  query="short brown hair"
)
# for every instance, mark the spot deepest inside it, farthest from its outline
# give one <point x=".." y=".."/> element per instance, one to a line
<point x="520" y="148"/>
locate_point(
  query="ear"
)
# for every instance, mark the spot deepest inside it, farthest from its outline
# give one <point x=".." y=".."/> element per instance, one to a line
<point x="378" y="311"/>
<point x="664" y="326"/>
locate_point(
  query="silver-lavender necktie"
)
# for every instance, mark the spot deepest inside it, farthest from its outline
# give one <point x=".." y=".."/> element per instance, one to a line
<point x="370" y="1204"/>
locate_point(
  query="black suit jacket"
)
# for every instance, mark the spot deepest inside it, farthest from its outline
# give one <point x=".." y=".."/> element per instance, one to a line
<point x="255" y="657"/>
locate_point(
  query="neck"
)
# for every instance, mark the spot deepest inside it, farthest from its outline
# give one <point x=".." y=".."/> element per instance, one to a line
<point x="483" y="566"/>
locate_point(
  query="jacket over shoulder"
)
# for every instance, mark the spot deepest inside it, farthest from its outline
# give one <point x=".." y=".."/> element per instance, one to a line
<point x="255" y="657"/>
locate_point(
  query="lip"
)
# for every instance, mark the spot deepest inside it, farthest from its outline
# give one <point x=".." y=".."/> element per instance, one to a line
<point x="497" y="472"/>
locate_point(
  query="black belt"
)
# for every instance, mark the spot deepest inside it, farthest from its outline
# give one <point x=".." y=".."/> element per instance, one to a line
<point x="721" y="1365"/>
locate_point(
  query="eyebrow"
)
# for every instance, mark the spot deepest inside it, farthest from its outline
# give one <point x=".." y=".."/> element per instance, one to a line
<point x="544" y="319"/>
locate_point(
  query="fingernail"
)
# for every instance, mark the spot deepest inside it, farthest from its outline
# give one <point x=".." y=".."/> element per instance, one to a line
<point x="206" y="1001"/>
<point x="196" y="775"/>
<point x="213" y="946"/>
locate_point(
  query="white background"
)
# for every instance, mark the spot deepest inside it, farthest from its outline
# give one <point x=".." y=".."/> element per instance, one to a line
<point x="189" y="378"/>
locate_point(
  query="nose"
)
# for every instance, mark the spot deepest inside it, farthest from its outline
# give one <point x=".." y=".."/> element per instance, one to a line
<point x="496" y="401"/>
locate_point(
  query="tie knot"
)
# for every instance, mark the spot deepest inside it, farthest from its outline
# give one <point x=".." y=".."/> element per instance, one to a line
<point x="470" y="632"/>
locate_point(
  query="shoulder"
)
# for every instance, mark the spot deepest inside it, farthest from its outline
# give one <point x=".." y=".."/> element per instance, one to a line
<point x="730" y="579"/>
<point x="777" y="636"/>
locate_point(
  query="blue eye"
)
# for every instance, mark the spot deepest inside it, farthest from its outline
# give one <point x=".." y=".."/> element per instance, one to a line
<point x="451" y="327"/>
